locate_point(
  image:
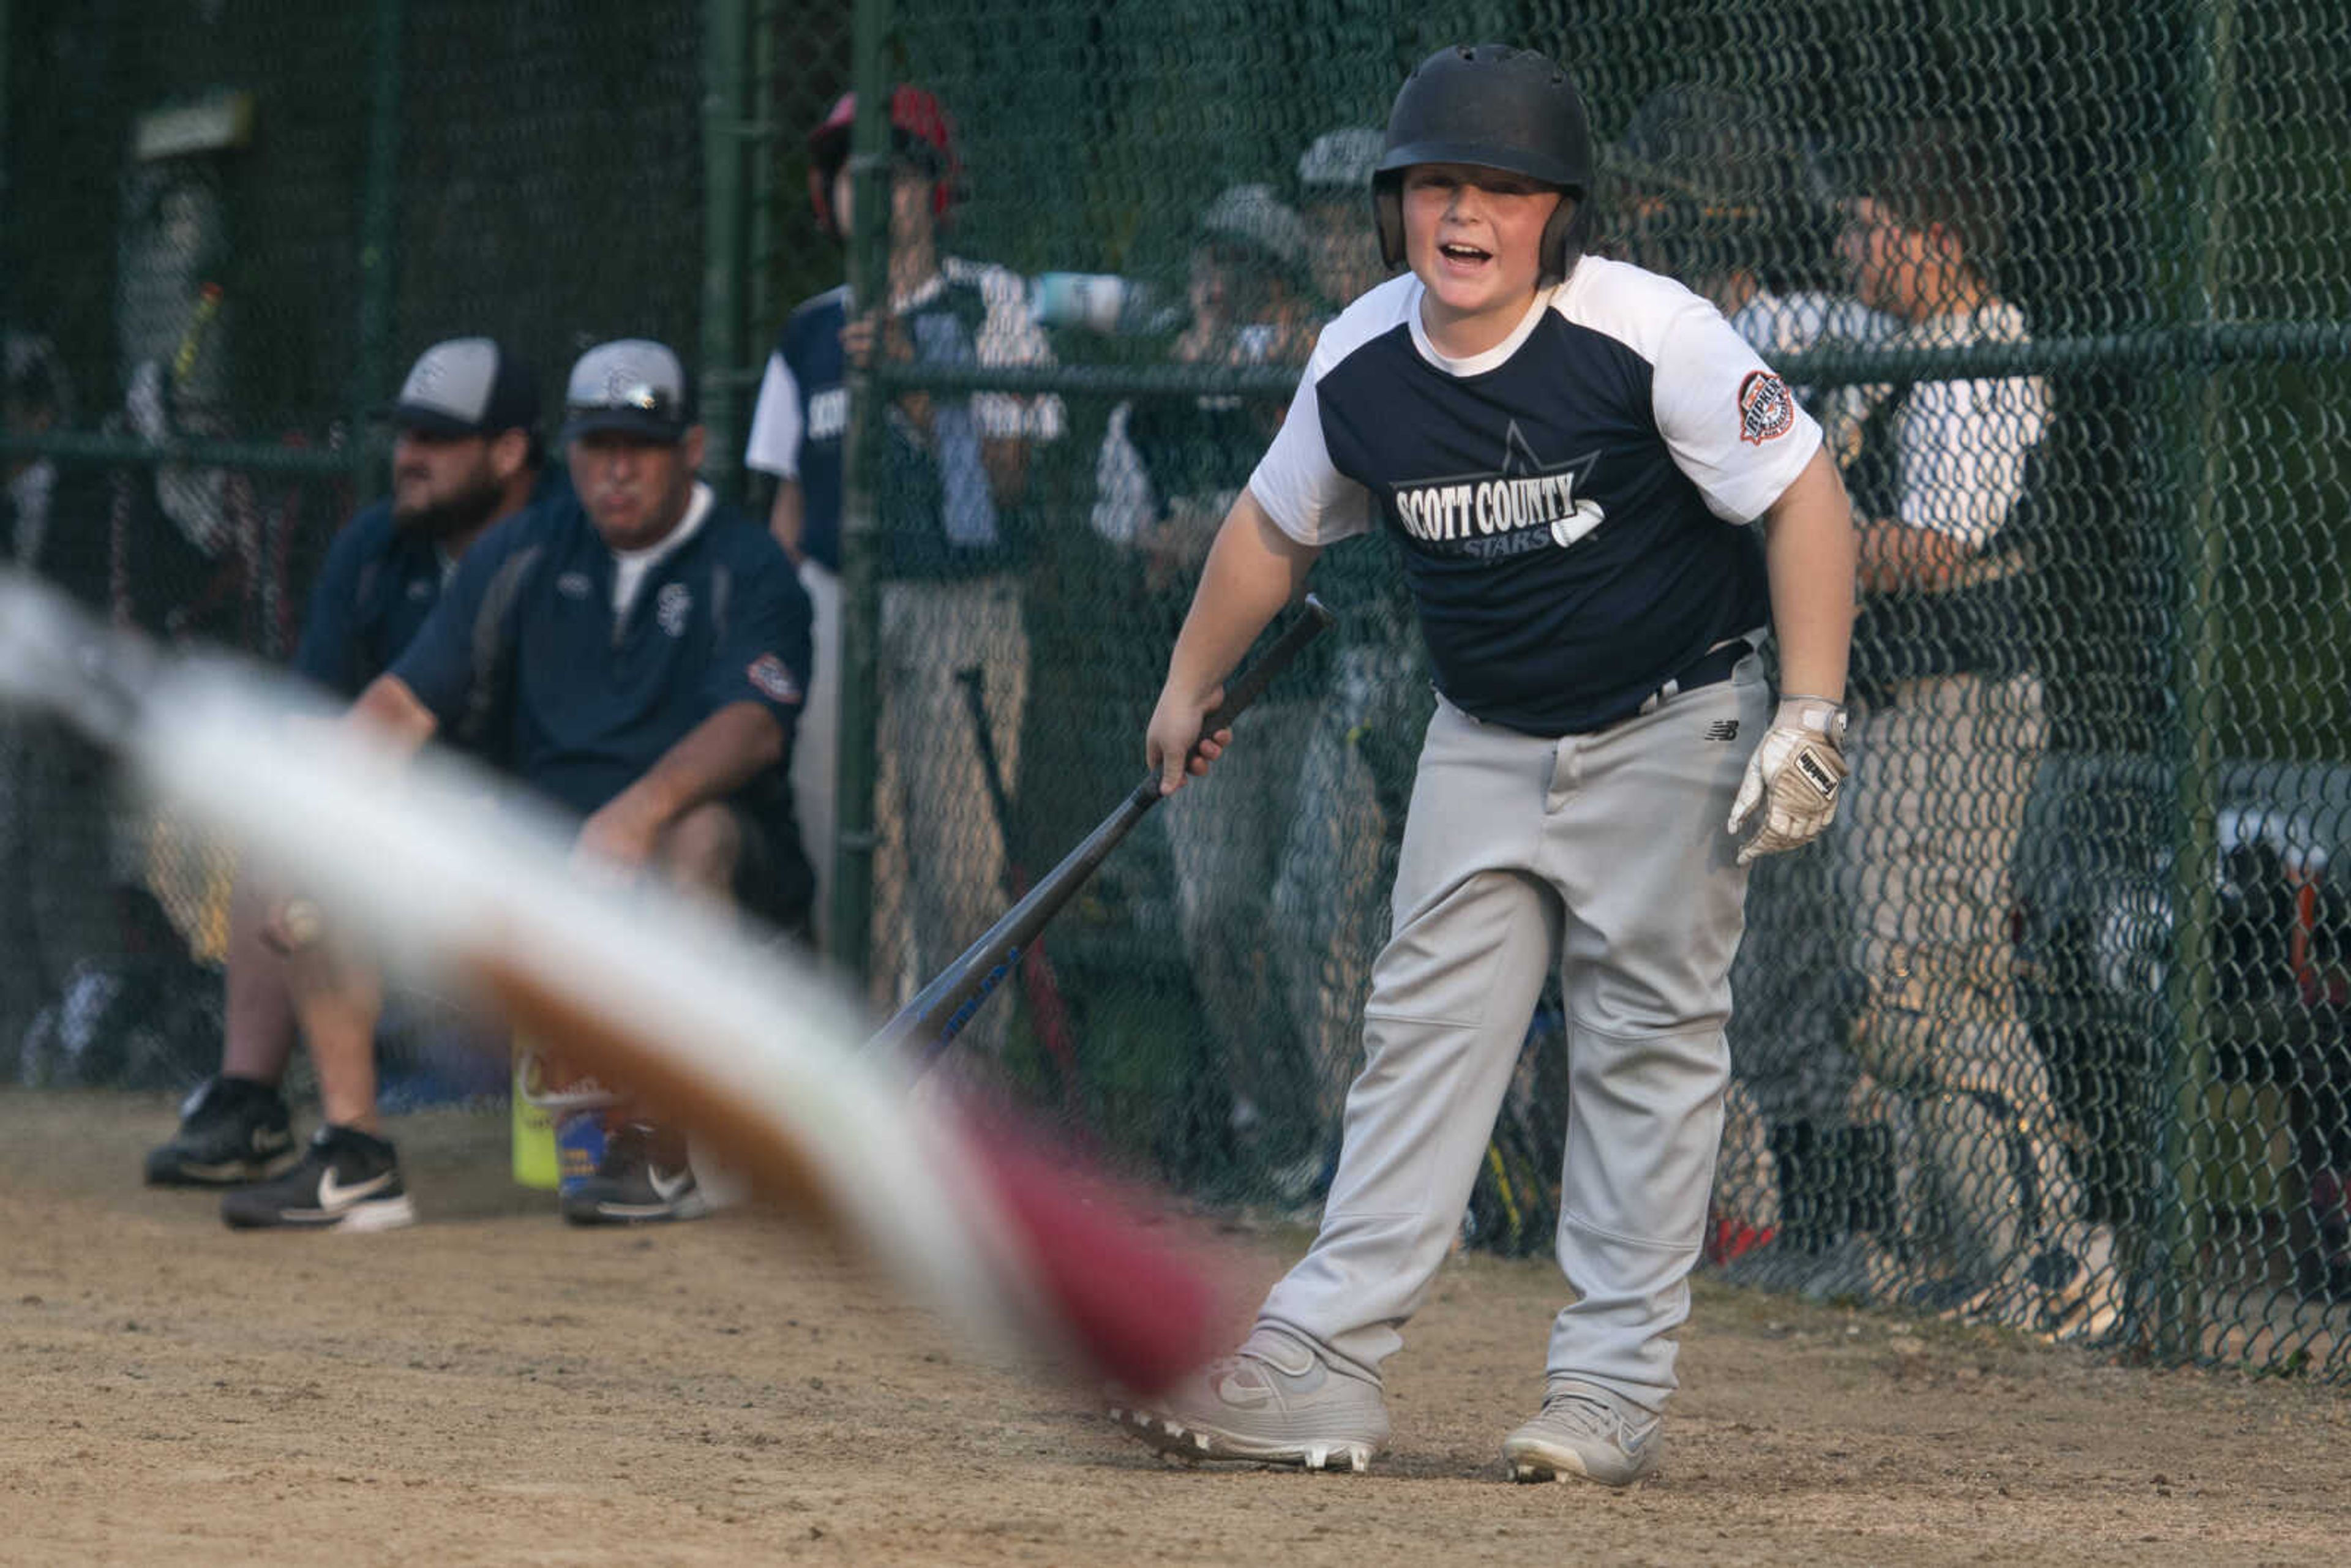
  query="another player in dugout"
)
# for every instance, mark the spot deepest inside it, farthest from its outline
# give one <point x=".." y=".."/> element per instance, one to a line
<point x="57" y="903"/>
<point x="1165" y="476"/>
<point x="1714" y="189"/>
<point x="639" y="654"/>
<point x="953" y="467"/>
<point x="1564" y="449"/>
<point x="466" y="455"/>
<point x="1950" y="734"/>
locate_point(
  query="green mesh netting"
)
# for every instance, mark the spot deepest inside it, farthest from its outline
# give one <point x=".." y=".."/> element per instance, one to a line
<point x="2051" y="1032"/>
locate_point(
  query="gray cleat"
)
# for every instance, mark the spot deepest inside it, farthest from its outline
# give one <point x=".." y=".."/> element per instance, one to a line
<point x="1584" y="1431"/>
<point x="1275" y="1401"/>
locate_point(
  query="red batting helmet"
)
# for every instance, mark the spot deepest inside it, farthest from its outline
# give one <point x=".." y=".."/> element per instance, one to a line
<point x="920" y="132"/>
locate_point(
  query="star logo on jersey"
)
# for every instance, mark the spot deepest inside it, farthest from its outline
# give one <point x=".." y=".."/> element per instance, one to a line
<point x="1523" y="503"/>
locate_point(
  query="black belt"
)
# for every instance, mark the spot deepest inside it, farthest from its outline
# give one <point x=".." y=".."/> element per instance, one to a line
<point x="1711" y="668"/>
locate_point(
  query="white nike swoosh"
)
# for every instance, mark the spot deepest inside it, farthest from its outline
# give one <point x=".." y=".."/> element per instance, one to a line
<point x="669" y="1187"/>
<point x="333" y="1196"/>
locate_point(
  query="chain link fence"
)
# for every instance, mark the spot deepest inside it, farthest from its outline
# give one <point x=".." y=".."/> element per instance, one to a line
<point x="2050" y="1031"/>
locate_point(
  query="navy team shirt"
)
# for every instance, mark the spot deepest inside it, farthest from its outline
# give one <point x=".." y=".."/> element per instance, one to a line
<point x="526" y="643"/>
<point x="1568" y="503"/>
<point x="374" y="591"/>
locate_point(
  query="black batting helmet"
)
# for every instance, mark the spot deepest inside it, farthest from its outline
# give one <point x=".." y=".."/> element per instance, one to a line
<point x="1498" y="108"/>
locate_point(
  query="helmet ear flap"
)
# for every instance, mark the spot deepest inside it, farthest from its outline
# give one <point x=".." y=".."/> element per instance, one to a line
<point x="1563" y="238"/>
<point x="1387" y="215"/>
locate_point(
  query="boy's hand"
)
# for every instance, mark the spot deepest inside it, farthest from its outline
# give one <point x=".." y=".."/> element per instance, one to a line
<point x="1174" y="746"/>
<point x="1795" y="774"/>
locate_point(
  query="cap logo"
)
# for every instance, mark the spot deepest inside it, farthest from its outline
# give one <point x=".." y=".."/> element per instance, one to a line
<point x="625" y="387"/>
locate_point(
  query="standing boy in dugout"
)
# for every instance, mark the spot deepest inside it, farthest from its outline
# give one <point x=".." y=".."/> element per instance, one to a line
<point x="466" y="456"/>
<point x="1989" y="1206"/>
<point x="638" y="653"/>
<point x="950" y="598"/>
<point x="1565" y="448"/>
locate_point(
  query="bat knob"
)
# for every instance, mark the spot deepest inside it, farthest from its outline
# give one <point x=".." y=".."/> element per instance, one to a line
<point x="303" y="923"/>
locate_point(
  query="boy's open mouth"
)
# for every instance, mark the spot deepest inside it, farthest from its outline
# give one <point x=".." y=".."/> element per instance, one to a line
<point x="1453" y="250"/>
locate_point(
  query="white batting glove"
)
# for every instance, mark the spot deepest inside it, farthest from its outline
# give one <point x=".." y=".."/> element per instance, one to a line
<point x="1794" y="775"/>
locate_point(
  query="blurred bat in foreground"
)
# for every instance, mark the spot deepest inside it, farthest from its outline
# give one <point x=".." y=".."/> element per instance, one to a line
<point x="752" y="1048"/>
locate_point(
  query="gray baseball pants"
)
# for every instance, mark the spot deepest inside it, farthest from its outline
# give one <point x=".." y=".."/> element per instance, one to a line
<point x="1607" y="855"/>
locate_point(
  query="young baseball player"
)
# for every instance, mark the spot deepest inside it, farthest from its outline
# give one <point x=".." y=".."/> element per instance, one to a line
<point x="1565" y="449"/>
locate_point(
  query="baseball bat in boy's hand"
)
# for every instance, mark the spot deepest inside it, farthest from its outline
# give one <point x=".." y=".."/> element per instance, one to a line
<point x="925" y="1025"/>
<point x="1004" y="1237"/>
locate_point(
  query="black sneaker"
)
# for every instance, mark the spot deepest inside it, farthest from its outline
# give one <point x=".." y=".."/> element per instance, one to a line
<point x="643" y="1176"/>
<point x="232" y="1131"/>
<point x="347" y="1181"/>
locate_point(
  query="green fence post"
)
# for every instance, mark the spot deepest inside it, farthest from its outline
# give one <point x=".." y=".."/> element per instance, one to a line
<point x="849" y="937"/>
<point x="726" y="40"/>
<point x="376" y="212"/>
<point x="2186" y="1223"/>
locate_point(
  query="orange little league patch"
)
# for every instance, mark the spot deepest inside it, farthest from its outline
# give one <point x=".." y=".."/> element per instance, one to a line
<point x="771" y="680"/>
<point x="1767" y="411"/>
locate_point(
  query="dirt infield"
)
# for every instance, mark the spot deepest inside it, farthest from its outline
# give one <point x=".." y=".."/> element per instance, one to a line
<point x="491" y="1387"/>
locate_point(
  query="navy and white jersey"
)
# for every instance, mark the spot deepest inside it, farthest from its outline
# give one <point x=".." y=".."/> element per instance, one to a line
<point x="527" y="643"/>
<point x="1568" y="503"/>
<point x="379" y="583"/>
<point x="969" y="313"/>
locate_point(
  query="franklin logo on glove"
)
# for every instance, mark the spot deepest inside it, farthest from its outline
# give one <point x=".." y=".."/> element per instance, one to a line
<point x="1794" y="775"/>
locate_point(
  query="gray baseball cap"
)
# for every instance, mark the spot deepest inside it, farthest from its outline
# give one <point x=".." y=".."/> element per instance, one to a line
<point x="1253" y="217"/>
<point x="468" y="386"/>
<point x="633" y="385"/>
<point x="1342" y="159"/>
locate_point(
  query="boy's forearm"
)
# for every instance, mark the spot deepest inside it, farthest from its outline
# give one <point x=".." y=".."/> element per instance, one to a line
<point x="788" y="517"/>
<point x="1896" y="557"/>
<point x="1252" y="570"/>
<point x="1811" y="553"/>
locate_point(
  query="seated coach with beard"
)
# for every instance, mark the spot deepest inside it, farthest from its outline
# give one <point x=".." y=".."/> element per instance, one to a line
<point x="467" y="453"/>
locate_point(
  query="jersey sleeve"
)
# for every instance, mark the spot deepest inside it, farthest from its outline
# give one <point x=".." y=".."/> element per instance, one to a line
<point x="1296" y="482"/>
<point x="465" y="646"/>
<point x="1732" y="426"/>
<point x="775" y="443"/>
<point x="1009" y="336"/>
<point x="328" y="653"/>
<point x="765" y="653"/>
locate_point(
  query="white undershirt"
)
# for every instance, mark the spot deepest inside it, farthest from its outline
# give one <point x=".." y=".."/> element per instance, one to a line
<point x="630" y="565"/>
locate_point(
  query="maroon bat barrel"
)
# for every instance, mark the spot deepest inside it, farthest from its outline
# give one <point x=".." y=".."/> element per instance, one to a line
<point x="926" y="1024"/>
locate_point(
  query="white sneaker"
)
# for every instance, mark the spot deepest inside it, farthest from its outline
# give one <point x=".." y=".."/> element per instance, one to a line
<point x="1584" y="1431"/>
<point x="1275" y="1401"/>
